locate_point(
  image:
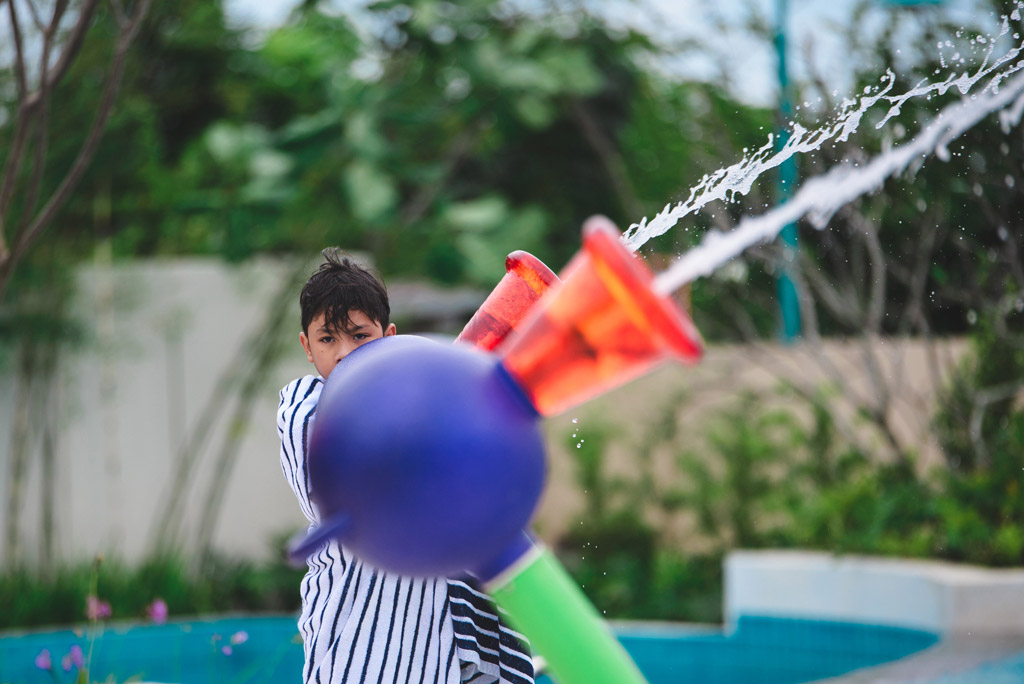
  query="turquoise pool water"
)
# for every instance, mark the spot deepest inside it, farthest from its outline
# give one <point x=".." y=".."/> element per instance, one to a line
<point x="762" y="650"/>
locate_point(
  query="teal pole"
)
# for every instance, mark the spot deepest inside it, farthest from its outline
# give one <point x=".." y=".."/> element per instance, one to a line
<point x="789" y="303"/>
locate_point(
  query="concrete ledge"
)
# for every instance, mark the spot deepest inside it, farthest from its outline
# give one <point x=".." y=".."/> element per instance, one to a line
<point x="942" y="598"/>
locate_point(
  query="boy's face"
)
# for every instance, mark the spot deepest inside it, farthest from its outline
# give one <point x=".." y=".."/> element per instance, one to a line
<point x="325" y="348"/>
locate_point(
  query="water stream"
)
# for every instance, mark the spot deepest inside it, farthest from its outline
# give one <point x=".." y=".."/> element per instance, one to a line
<point x="820" y="197"/>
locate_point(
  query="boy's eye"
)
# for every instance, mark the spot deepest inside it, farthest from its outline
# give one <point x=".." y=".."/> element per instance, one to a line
<point x="360" y="336"/>
<point x="327" y="339"/>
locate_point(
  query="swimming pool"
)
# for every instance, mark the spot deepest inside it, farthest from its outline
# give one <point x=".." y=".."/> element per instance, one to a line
<point x="268" y="649"/>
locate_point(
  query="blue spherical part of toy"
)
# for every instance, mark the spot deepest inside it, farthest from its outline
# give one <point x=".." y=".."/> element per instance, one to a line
<point x="425" y="458"/>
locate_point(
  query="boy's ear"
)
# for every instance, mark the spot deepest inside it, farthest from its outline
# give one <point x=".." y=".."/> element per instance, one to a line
<point x="305" y="345"/>
<point x="390" y="330"/>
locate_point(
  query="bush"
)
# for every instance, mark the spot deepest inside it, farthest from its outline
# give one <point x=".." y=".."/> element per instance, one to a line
<point x="767" y="479"/>
<point x="31" y="600"/>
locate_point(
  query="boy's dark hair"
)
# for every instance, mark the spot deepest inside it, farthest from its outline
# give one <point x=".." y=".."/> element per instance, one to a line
<point x="338" y="286"/>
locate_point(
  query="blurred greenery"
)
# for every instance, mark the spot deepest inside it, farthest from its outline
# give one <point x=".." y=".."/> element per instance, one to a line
<point x="453" y="133"/>
<point x="772" y="479"/>
<point x="450" y="134"/>
<point x="228" y="585"/>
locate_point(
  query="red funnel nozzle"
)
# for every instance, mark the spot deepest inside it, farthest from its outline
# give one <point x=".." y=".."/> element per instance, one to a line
<point x="526" y="279"/>
<point x="600" y="327"/>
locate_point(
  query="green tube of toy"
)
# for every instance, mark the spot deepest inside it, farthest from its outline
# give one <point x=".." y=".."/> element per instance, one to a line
<point x="548" y="607"/>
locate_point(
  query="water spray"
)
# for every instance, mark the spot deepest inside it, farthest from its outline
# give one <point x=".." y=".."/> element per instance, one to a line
<point x="739" y="178"/>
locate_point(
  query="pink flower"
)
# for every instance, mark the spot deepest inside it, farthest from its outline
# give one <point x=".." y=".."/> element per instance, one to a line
<point x="226" y="650"/>
<point x="43" y="661"/>
<point x="239" y="637"/>
<point x="157" y="611"/>
<point x="95" y="609"/>
<point x="73" y="657"/>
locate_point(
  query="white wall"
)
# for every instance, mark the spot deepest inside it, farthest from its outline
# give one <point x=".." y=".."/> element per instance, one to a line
<point x="161" y="335"/>
<point x="934" y="596"/>
<point x="116" y="447"/>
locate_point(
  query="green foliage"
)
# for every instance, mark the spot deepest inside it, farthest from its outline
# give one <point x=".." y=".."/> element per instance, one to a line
<point x="978" y="421"/>
<point x="318" y="133"/>
<point x="382" y="141"/>
<point x="617" y="557"/>
<point x="32" y="600"/>
<point x="626" y="573"/>
<point x="749" y="445"/>
<point x="771" y="478"/>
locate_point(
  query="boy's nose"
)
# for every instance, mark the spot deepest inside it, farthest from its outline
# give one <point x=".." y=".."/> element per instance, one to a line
<point x="344" y="350"/>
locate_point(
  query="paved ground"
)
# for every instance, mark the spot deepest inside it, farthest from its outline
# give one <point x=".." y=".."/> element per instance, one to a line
<point x="963" y="660"/>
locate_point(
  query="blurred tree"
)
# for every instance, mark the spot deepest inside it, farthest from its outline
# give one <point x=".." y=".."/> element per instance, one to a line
<point x="44" y="50"/>
<point x="930" y="254"/>
<point x="447" y="137"/>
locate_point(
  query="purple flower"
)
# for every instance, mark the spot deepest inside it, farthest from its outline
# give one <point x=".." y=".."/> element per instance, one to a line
<point x="43" y="661"/>
<point x="157" y="611"/>
<point x="239" y="637"/>
<point x="226" y="650"/>
<point x="75" y="657"/>
<point x="95" y="609"/>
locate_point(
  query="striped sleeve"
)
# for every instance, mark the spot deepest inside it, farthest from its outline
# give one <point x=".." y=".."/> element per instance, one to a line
<point x="360" y="624"/>
<point x="380" y="628"/>
<point x="489" y="650"/>
<point x="296" y="413"/>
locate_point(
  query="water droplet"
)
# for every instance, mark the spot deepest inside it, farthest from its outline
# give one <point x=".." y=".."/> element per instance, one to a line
<point x="972" y="317"/>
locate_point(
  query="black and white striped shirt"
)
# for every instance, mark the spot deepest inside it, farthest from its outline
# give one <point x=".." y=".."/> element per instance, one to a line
<point x="360" y="624"/>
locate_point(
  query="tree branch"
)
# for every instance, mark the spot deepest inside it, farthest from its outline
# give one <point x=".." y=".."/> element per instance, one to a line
<point x="42" y="124"/>
<point x="456" y="154"/>
<point x="610" y="158"/>
<point x="88" y="149"/>
<point x="59" y="8"/>
<point x="839" y="305"/>
<point x="12" y="165"/>
<point x="981" y="401"/>
<point x="74" y="42"/>
<point x="35" y="16"/>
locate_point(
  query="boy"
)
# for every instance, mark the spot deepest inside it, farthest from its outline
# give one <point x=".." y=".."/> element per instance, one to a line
<point x="360" y="624"/>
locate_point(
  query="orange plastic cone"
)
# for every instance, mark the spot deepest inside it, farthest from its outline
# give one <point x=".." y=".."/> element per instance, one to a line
<point x="600" y="327"/>
<point x="526" y="279"/>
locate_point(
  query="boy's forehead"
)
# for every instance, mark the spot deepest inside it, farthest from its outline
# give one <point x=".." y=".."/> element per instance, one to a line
<point x="354" y="319"/>
<point x="359" y="318"/>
